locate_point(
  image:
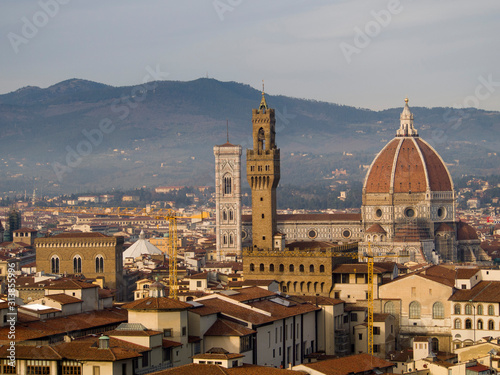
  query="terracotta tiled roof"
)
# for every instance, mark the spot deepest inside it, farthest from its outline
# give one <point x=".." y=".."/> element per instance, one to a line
<point x="254" y="282"/>
<point x="307" y="245"/>
<point x="217" y="356"/>
<point x="195" y="368"/>
<point x="25" y="229"/>
<point x="157" y="303"/>
<point x="69" y="284"/>
<point x="466" y="273"/>
<point x="88" y="350"/>
<point x="376" y="228"/>
<point x="63" y="299"/>
<point x="356" y="364"/>
<point x="57" y="326"/>
<point x="320" y="301"/>
<point x="119" y="333"/>
<point x="44" y="352"/>
<point x="251" y="293"/>
<point x="310" y="217"/>
<point x="360" y="268"/>
<point x="170" y="344"/>
<point x="223" y="327"/>
<point x="200" y="276"/>
<point x="485" y="291"/>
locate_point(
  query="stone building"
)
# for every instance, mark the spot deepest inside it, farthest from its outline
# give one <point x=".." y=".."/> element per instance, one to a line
<point x="263" y="175"/>
<point x="93" y="255"/>
<point x="228" y="199"/>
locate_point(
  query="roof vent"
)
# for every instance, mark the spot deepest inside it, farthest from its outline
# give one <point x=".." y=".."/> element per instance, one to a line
<point x="104" y="342"/>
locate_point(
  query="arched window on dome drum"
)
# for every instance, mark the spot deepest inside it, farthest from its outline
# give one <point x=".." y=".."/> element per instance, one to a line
<point x="54" y="264"/>
<point x="389" y="308"/>
<point x="458" y="309"/>
<point x="458" y="324"/>
<point x="438" y="311"/>
<point x="99" y="264"/>
<point x="415" y="310"/>
<point x="77" y="264"/>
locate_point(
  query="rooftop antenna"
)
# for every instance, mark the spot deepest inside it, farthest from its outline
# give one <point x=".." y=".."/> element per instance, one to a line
<point x="227" y="130"/>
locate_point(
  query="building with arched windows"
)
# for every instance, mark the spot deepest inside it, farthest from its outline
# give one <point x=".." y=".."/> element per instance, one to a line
<point x="228" y="199"/>
<point x="93" y="255"/>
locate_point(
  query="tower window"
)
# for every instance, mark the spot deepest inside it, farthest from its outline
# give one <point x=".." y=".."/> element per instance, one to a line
<point x="99" y="264"/>
<point x="231" y="215"/>
<point x="263" y="216"/>
<point x="227" y="185"/>
<point x="77" y="264"/>
<point x="261" y="199"/>
<point x="54" y="264"/>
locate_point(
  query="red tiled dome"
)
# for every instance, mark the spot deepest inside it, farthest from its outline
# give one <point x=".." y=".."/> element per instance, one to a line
<point x="407" y="164"/>
<point x="465" y="232"/>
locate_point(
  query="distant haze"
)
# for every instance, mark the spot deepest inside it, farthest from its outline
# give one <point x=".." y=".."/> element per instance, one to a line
<point x="363" y="53"/>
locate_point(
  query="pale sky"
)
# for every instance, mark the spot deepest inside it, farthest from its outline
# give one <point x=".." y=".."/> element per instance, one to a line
<point x="436" y="52"/>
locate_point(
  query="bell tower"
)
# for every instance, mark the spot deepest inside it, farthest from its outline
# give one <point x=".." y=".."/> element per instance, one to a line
<point x="263" y="175"/>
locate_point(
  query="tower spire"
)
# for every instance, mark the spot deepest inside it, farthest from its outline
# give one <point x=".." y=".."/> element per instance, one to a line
<point x="263" y="104"/>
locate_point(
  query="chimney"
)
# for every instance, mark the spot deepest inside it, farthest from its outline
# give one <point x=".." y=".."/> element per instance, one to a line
<point x="104" y="342"/>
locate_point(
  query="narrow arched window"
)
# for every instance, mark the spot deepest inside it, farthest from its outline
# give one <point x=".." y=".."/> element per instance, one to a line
<point x="231" y="215"/>
<point x="458" y="324"/>
<point x="491" y="310"/>
<point x="261" y="267"/>
<point x="480" y="310"/>
<point x="99" y="264"/>
<point x="311" y="268"/>
<point x="301" y="268"/>
<point x="479" y="324"/>
<point x="224" y="239"/>
<point x="224" y="215"/>
<point x="389" y="308"/>
<point x="231" y="239"/>
<point x="438" y="310"/>
<point x="77" y="264"/>
<point x="252" y="267"/>
<point x="415" y="310"/>
<point x="468" y="309"/>
<point x="458" y="309"/>
<point x="321" y="268"/>
<point x="491" y="325"/>
<point x="468" y="324"/>
<point x="227" y="185"/>
<point x="54" y="264"/>
<point x="291" y="268"/>
<point x="282" y="268"/>
<point x="271" y="268"/>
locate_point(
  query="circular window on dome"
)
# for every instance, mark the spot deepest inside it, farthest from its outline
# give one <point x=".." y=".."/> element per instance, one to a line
<point x="346" y="233"/>
<point x="378" y="213"/>
<point x="409" y="212"/>
<point x="313" y="233"/>
<point x="441" y="212"/>
<point x="243" y="234"/>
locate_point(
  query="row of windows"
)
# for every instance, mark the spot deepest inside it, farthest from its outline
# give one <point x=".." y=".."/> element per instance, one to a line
<point x="281" y="268"/>
<point x="469" y="308"/>
<point x="468" y="324"/>
<point x="225" y="215"/>
<point x="77" y="264"/>
<point x="414" y="309"/>
<point x="228" y="239"/>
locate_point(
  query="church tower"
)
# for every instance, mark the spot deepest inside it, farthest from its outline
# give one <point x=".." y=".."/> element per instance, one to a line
<point x="263" y="174"/>
<point x="228" y="199"/>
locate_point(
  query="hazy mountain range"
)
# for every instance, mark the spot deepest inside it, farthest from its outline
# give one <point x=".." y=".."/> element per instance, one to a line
<point x="78" y="135"/>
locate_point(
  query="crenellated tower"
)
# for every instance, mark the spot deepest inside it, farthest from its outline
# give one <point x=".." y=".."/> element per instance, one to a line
<point x="263" y="174"/>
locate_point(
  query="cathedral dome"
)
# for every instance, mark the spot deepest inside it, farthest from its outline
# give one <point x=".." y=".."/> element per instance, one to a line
<point x="407" y="164"/>
<point x="466" y="232"/>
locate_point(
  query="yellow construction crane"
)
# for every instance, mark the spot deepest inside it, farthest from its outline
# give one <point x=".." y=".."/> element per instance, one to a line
<point x="158" y="214"/>
<point x="369" y="261"/>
